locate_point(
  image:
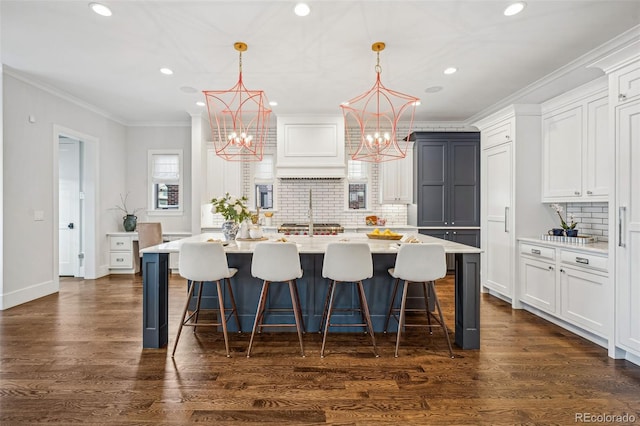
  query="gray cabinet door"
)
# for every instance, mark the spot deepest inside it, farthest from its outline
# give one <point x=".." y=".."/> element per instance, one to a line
<point x="448" y="178"/>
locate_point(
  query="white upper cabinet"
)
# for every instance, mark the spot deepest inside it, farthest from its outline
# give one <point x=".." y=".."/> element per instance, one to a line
<point x="396" y="180"/>
<point x="575" y="145"/>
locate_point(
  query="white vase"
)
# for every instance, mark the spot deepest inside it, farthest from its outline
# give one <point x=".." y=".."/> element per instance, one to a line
<point x="244" y="230"/>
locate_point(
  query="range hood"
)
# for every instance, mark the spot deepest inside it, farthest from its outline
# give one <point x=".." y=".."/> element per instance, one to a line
<point x="310" y="147"/>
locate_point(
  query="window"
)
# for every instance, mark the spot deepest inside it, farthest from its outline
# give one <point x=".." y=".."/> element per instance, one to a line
<point x="357" y="185"/>
<point x="165" y="181"/>
<point x="263" y="181"/>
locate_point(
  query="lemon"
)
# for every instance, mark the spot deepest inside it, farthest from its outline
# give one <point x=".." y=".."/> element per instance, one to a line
<point x="376" y="231"/>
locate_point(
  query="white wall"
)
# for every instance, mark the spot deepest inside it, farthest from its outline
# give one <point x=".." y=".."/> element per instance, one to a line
<point x="28" y="183"/>
<point x="139" y="141"/>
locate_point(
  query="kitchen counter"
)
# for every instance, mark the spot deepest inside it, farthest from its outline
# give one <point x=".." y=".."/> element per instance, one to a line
<point x="600" y="247"/>
<point x="312" y="286"/>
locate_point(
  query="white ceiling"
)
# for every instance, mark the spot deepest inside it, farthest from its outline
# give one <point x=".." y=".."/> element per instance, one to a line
<point x="310" y="64"/>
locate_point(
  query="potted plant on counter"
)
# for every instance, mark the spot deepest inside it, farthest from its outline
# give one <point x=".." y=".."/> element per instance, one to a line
<point x="568" y="228"/>
<point x="129" y="220"/>
<point x="233" y="210"/>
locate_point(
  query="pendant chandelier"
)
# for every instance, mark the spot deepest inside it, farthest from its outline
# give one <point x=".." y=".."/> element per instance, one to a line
<point x="239" y="119"/>
<point x="372" y="120"/>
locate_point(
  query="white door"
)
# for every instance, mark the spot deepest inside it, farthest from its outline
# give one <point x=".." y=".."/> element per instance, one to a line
<point x="69" y="207"/>
<point x="498" y="176"/>
<point x="628" y="226"/>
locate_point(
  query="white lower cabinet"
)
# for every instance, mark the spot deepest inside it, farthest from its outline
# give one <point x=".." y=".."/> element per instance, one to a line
<point x="569" y="285"/>
<point x="538" y="283"/>
<point x="583" y="299"/>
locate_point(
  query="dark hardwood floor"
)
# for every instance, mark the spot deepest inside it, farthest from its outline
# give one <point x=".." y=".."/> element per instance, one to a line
<point x="76" y="357"/>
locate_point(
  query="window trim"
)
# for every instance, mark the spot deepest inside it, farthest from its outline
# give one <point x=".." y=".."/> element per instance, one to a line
<point x="366" y="181"/>
<point x="151" y="210"/>
<point x="262" y="181"/>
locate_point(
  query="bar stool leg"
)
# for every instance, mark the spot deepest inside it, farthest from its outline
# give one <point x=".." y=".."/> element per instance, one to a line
<point x="330" y="295"/>
<point x="259" y="311"/>
<point x="401" y="317"/>
<point x="393" y="302"/>
<point x="326" y="305"/>
<point x="367" y="315"/>
<point x="425" y="293"/>
<point x="197" y="303"/>
<point x="296" y="313"/>
<point x="444" y="327"/>
<point x="184" y="315"/>
<point x="233" y="304"/>
<point x="363" y="317"/>
<point x="264" y="308"/>
<point x="295" y="289"/>
<point x="223" y="318"/>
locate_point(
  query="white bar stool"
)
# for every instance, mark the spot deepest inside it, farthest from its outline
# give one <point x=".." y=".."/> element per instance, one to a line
<point x="202" y="262"/>
<point x="277" y="262"/>
<point x="418" y="264"/>
<point x="347" y="263"/>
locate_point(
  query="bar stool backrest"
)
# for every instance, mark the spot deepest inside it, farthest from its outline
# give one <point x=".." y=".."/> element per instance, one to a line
<point x="203" y="261"/>
<point x="420" y="262"/>
<point x="348" y="262"/>
<point x="276" y="262"/>
<point x="149" y="234"/>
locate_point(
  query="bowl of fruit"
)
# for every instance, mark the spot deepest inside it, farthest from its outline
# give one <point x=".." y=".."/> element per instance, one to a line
<point x="387" y="234"/>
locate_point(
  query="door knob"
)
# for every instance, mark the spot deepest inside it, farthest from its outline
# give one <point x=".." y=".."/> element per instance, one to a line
<point x="70" y="226"/>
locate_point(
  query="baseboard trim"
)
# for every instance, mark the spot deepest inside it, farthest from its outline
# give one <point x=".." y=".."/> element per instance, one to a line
<point x="27" y="294"/>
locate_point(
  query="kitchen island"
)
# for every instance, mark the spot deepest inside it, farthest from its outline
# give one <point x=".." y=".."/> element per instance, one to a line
<point x="312" y="287"/>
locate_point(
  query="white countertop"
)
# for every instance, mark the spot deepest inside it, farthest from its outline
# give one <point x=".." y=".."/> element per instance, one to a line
<point x="600" y="247"/>
<point x="311" y="245"/>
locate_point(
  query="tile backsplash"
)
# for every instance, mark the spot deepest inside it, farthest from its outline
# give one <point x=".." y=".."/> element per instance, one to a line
<point x="592" y="218"/>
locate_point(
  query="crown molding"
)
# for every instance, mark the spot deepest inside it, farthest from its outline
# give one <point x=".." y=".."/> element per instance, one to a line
<point x="62" y="95"/>
<point x="587" y="60"/>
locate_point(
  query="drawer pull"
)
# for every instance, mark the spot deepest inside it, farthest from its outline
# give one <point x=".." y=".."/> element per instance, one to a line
<point x="119" y="259"/>
<point x="535" y="251"/>
<point x="582" y="260"/>
<point x="119" y="243"/>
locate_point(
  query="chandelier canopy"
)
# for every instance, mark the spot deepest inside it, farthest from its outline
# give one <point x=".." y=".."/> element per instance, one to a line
<point x="239" y="119"/>
<point x="372" y="120"/>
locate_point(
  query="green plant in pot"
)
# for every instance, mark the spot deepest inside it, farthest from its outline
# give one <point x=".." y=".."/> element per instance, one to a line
<point x="129" y="220"/>
<point x="234" y="210"/>
<point x="568" y="228"/>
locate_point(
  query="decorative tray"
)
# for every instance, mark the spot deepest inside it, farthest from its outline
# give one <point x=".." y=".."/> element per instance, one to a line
<point x="384" y="237"/>
<point x="252" y="239"/>
<point x="569" y="240"/>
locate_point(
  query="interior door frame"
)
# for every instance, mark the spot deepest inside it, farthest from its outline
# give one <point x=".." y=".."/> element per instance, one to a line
<point x="77" y="263"/>
<point x="90" y="213"/>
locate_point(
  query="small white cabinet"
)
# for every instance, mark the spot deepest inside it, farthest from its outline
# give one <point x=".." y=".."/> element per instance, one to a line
<point x="396" y="180"/>
<point x="120" y="252"/>
<point x="575" y="145"/>
<point x="569" y="284"/>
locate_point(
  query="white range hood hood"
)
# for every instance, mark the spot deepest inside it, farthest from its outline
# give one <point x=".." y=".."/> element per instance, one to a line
<point x="310" y="147"/>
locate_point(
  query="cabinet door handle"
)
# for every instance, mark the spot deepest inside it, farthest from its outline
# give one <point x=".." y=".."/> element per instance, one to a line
<point x="562" y="270"/>
<point x="622" y="97"/>
<point x="535" y="251"/>
<point x="506" y="219"/>
<point x="551" y="268"/>
<point x="589" y="192"/>
<point x="576" y="192"/>
<point x="445" y="223"/>
<point x="582" y="260"/>
<point x="621" y="211"/>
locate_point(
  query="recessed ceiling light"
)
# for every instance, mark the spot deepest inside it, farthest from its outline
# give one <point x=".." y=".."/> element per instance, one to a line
<point x="100" y="9"/>
<point x="200" y="103"/>
<point x="273" y="103"/>
<point x="302" y="9"/>
<point x="433" y="89"/>
<point x="514" y="8"/>
<point x="166" y="71"/>
<point x="450" y="70"/>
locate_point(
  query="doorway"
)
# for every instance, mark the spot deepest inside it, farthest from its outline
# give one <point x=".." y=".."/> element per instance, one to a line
<point x="75" y="195"/>
<point x="70" y="257"/>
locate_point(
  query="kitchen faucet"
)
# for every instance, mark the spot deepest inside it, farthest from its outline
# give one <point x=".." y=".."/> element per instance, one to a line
<point x="310" y="214"/>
